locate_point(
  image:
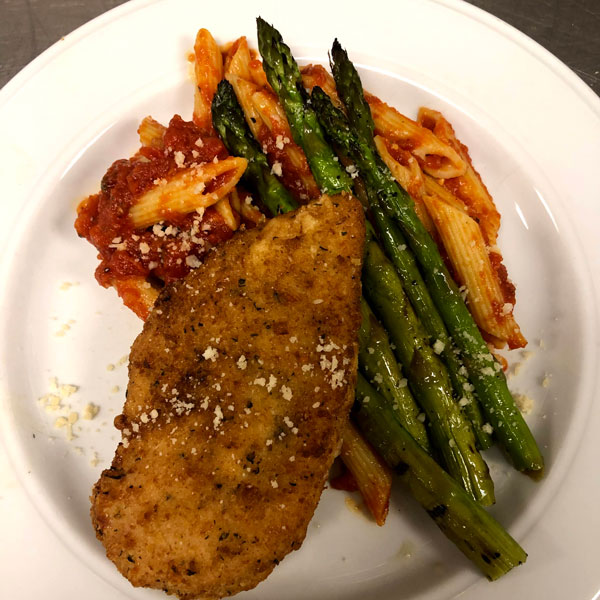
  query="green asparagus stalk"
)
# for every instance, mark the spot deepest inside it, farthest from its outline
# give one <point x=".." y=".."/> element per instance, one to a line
<point x="379" y="365"/>
<point x="338" y="129"/>
<point x="359" y="112"/>
<point x="418" y="294"/>
<point x="447" y="423"/>
<point x="475" y="532"/>
<point x="485" y="372"/>
<point x="451" y="432"/>
<point x="384" y="292"/>
<point x="228" y="120"/>
<point x="284" y="76"/>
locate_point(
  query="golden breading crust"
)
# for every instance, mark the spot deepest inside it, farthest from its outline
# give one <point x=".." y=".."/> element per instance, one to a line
<point x="240" y="384"/>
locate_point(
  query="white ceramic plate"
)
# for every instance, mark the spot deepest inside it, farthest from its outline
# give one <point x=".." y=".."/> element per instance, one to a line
<point x="533" y="129"/>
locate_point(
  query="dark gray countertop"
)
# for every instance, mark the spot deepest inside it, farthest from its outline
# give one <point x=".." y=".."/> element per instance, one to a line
<point x="570" y="29"/>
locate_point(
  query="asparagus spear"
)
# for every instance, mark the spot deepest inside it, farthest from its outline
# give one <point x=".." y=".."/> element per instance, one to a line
<point x="338" y="129"/>
<point x="458" y="447"/>
<point x="228" y="120"/>
<point x="379" y="365"/>
<point x="485" y="372"/>
<point x="451" y="432"/>
<point x="418" y="294"/>
<point x="476" y="533"/>
<point x="284" y="76"/>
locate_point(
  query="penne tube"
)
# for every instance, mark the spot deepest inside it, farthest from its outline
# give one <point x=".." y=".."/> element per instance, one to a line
<point x="468" y="187"/>
<point x="231" y="217"/>
<point x="208" y="71"/>
<point x="282" y="149"/>
<point x="373" y="477"/>
<point x="268" y="123"/>
<point x="270" y="127"/>
<point x="249" y="66"/>
<point x="257" y="73"/>
<point x="433" y="188"/>
<point x="151" y="133"/>
<point x="244" y="91"/>
<point x="467" y="251"/>
<point x="409" y="176"/>
<point x="244" y="207"/>
<point x="197" y="187"/>
<point x="271" y="112"/>
<point x="435" y="157"/>
<point x="299" y="166"/>
<point x="317" y="75"/>
<point x="137" y="293"/>
<point x="403" y="165"/>
<point x="237" y="60"/>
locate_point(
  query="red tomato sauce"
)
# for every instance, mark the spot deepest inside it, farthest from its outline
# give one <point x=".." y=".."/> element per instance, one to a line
<point x="345" y="481"/>
<point x="165" y="251"/>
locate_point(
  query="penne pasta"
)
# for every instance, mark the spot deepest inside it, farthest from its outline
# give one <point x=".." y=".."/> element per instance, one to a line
<point x="271" y="112"/>
<point x="248" y="66"/>
<point x="197" y="187"/>
<point x="230" y="216"/>
<point x="435" y="157"/>
<point x="316" y="75"/>
<point x="408" y="175"/>
<point x="403" y="165"/>
<point x="468" y="186"/>
<point x="237" y="60"/>
<point x="281" y="148"/>
<point x="151" y="133"/>
<point x="267" y="120"/>
<point x="469" y="192"/>
<point x="257" y="73"/>
<point x="242" y="204"/>
<point x="244" y="91"/>
<point x="433" y="188"/>
<point x="467" y="252"/>
<point x="372" y="475"/>
<point x="208" y="71"/>
<point x="137" y="293"/>
<point x="269" y="125"/>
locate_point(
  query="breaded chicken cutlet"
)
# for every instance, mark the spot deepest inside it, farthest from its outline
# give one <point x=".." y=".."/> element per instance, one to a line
<point x="240" y="386"/>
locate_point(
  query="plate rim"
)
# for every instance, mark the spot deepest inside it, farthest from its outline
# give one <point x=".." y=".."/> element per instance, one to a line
<point x="480" y="16"/>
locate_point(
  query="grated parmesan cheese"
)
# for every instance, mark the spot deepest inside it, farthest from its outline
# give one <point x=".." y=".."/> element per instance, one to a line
<point x="524" y="403"/>
<point x="90" y="411"/>
<point x="179" y="158"/>
<point x="210" y="354"/>
<point x="272" y="383"/>
<point x="438" y="346"/>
